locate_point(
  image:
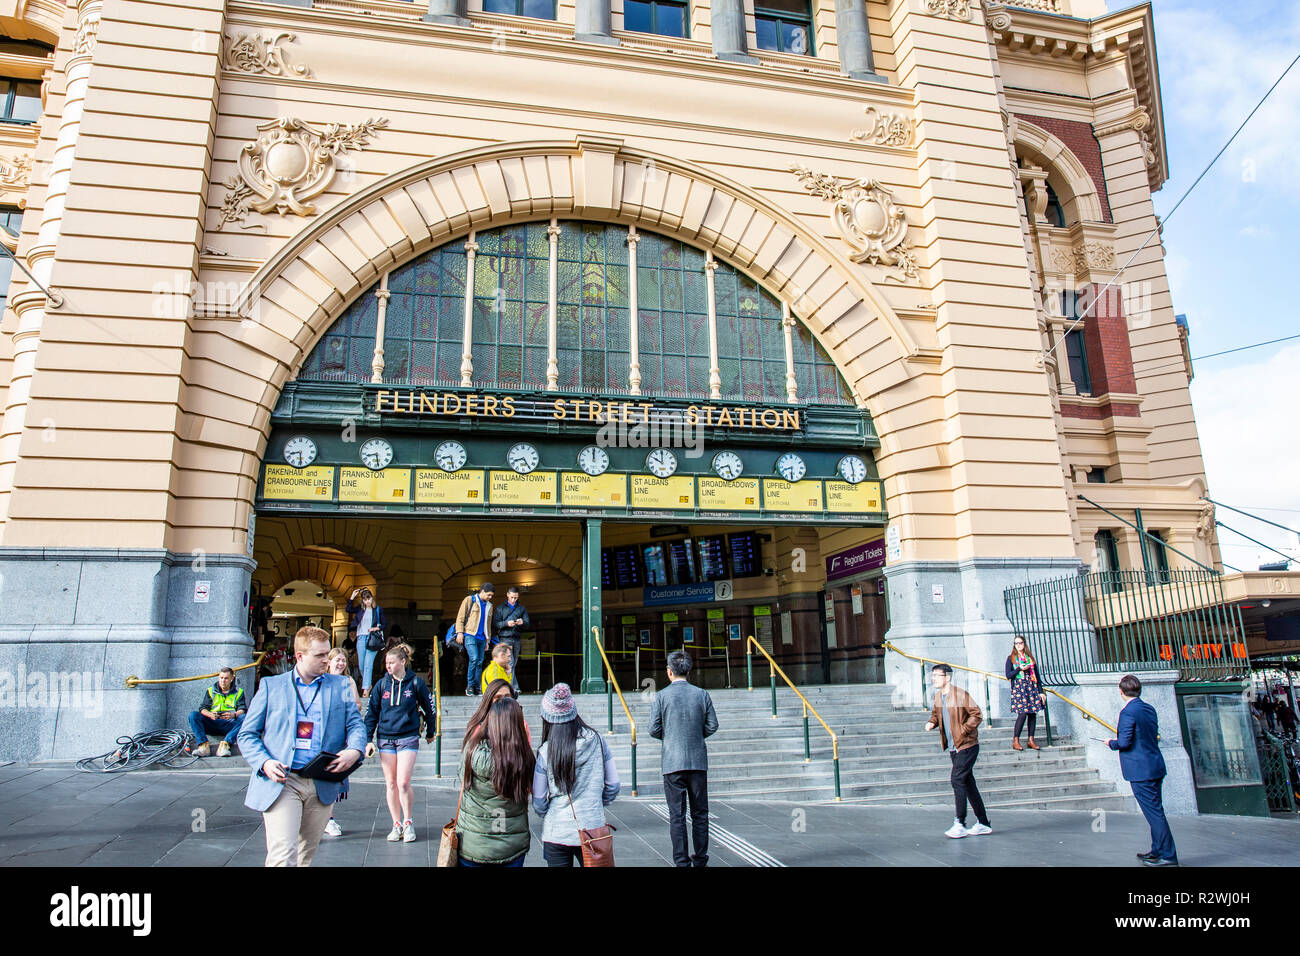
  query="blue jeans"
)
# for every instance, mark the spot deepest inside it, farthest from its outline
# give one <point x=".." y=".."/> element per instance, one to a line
<point x="202" y="726"/>
<point x="474" y="647"/>
<point x="516" y="862"/>
<point x="366" y="658"/>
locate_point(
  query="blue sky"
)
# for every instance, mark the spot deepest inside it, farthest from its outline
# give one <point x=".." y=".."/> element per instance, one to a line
<point x="1231" y="248"/>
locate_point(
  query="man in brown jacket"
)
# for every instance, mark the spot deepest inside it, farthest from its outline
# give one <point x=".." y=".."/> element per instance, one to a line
<point x="474" y="631"/>
<point x="957" y="716"/>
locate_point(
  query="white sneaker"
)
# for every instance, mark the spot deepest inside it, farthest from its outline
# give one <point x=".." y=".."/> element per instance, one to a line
<point x="396" y="835"/>
<point x="333" y="829"/>
<point x="979" y="829"/>
<point x="408" y="832"/>
<point x="956" y="831"/>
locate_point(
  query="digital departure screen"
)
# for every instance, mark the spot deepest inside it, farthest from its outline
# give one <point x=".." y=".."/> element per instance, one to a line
<point x="656" y="565"/>
<point x="627" y="567"/>
<point x="713" y="558"/>
<point x="746" y="555"/>
<point x="607" y="576"/>
<point x="682" y="557"/>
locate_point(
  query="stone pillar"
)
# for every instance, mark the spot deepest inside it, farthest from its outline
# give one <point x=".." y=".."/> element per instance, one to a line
<point x="854" y="41"/>
<point x="593" y="668"/>
<point x="728" y="27"/>
<point x="1100" y="694"/>
<point x="444" y="11"/>
<point x="592" y="22"/>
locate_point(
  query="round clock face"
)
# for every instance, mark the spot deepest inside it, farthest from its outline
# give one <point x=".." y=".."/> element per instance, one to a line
<point x="661" y="462"/>
<point x="300" y="451"/>
<point x="450" y="456"/>
<point x="791" y="467"/>
<point x="523" y="457"/>
<point x="852" y="469"/>
<point x="727" y="464"/>
<point x="593" y="460"/>
<point x="376" y="454"/>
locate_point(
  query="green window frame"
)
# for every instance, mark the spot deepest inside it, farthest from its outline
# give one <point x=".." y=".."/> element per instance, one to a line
<point x="784" y="26"/>
<point x="816" y="377"/>
<point x="592" y="326"/>
<point x="751" y="343"/>
<point x="673" y="318"/>
<point x="1076" y="352"/>
<point x="11" y="220"/>
<point x="346" y="352"/>
<point x="537" y="9"/>
<point x="662" y="17"/>
<point x="22" y="100"/>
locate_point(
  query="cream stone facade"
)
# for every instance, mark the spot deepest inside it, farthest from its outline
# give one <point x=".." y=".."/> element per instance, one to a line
<point x="890" y="189"/>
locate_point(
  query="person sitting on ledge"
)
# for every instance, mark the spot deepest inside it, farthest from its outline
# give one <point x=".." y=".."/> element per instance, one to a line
<point x="221" y="712"/>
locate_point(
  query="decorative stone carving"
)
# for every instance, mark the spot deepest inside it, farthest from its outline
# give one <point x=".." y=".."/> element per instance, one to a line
<point x="1138" y="120"/>
<point x="290" y="163"/>
<point x="867" y="219"/>
<point x="1205" y="522"/>
<point x="16" y="174"/>
<point x="1089" y="255"/>
<point x="997" y="16"/>
<point x="1034" y="179"/>
<point x="886" y="129"/>
<point x="249" y="53"/>
<point x="87" y="36"/>
<point x="952" y="9"/>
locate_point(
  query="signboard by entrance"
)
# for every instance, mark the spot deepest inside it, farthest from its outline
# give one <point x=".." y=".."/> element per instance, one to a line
<point x="688" y="593"/>
<point x="532" y="490"/>
<point x="437" y="487"/>
<point x="601" y="491"/>
<point x="663" y="493"/>
<point x="388" y="486"/>
<point x="718" y="494"/>
<point x="286" y="483"/>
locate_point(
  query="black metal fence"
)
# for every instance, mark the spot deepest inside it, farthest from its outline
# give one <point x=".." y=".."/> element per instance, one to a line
<point x="1114" y="621"/>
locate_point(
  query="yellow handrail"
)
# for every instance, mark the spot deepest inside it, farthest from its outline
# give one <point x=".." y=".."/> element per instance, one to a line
<point x="807" y="707"/>
<point x="437" y="706"/>
<point x="134" y="681"/>
<point x="889" y="645"/>
<point x="595" y="633"/>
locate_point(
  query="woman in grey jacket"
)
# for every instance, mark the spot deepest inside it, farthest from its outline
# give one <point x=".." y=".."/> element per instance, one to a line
<point x="574" y="778"/>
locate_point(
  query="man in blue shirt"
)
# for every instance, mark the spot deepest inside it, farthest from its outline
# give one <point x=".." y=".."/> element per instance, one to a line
<point x="293" y="718"/>
<point x="474" y="630"/>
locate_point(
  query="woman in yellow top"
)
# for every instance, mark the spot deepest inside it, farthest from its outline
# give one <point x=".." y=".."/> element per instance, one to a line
<point x="499" y="668"/>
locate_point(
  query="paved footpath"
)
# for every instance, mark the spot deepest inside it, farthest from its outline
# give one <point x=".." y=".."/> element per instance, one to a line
<point x="52" y="815"/>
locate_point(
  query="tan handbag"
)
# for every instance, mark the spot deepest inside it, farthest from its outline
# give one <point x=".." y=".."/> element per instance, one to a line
<point x="449" y="844"/>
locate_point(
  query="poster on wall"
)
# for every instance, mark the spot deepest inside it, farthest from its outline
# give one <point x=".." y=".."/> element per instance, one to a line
<point x="855" y="594"/>
<point x="787" y="627"/>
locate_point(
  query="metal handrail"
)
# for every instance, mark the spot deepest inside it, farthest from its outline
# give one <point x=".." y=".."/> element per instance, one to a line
<point x="750" y="644"/>
<point x="611" y="689"/>
<point x="437" y="707"/>
<point x="134" y="681"/>
<point x="1047" y="717"/>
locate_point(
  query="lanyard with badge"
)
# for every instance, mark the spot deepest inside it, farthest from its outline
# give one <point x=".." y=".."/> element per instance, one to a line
<point x="305" y="727"/>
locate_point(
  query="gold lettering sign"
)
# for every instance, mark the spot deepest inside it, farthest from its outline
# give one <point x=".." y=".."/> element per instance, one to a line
<point x="529" y="491"/>
<point x="663" y="493"/>
<point x="388" y="486"/>
<point x="781" y="495"/>
<point x="286" y="483"/>
<point x="718" y="494"/>
<point x="412" y="402"/>
<point x="436" y="487"/>
<point x="579" y="490"/>
<point x="842" y="497"/>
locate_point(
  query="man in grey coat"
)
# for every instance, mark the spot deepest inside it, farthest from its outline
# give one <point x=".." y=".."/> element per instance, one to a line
<point x="682" y="717"/>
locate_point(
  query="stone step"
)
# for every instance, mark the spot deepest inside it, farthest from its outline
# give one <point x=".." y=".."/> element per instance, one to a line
<point x="1023" y="794"/>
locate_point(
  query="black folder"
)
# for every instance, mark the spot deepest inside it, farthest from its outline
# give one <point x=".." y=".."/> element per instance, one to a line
<point x="316" y="770"/>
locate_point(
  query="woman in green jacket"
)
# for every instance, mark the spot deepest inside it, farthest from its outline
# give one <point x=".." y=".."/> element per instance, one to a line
<point x="498" y="780"/>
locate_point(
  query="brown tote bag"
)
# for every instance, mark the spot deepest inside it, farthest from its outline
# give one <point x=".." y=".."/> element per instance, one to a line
<point x="449" y="845"/>
<point x="597" y="843"/>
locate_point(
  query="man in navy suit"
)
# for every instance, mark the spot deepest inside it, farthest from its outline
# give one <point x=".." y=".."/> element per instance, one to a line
<point x="1143" y="767"/>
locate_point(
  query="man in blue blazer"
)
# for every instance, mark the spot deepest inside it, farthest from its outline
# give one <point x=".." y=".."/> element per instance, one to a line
<point x="294" y="717"/>
<point x="1143" y="767"/>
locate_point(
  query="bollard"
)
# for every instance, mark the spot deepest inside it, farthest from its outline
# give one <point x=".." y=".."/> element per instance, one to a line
<point x="634" y="769"/>
<point x="774" y="693"/>
<point x="807" y="747"/>
<point x="837" y="772"/>
<point x="609" y="702"/>
<point x="437" y="755"/>
<point x="1047" y="719"/>
<point x="749" y="664"/>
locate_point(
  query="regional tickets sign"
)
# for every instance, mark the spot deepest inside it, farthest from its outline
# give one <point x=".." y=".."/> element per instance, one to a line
<point x="388" y="486"/>
<point x="286" y="483"/>
<point x="580" y="490"/>
<point x="436" y="487"/>
<point x="522" y="491"/>
<point x="843" y="497"/>
<point x="663" y="493"/>
<point x="781" y="495"/>
<point x="718" y="494"/>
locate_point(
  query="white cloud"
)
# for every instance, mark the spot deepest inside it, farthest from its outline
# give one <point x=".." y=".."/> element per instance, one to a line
<point x="1246" y="417"/>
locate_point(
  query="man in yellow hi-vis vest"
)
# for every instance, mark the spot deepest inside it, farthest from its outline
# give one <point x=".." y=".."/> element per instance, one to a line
<point x="221" y="712"/>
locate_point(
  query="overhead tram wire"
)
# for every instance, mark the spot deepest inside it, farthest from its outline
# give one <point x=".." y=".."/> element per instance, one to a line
<point x="1219" y="504"/>
<point x="1267" y="547"/>
<point x="1171" y="212"/>
<point x="1198" y="358"/>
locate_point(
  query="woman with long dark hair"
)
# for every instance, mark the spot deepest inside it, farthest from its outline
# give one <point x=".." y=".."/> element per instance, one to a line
<point x="497" y="780"/>
<point x="1027" y="697"/>
<point x="366" y="619"/>
<point x="574" y="779"/>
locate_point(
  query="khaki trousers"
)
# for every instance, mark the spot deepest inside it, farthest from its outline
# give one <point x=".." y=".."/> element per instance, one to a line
<point x="295" y="823"/>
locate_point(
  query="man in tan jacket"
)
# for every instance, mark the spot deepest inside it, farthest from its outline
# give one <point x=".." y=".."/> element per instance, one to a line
<point x="957" y="716"/>
<point x="474" y="630"/>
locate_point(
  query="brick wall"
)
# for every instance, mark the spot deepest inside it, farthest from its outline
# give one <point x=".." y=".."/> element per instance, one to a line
<point x="1083" y="143"/>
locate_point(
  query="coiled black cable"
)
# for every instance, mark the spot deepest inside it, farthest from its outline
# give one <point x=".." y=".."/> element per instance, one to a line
<point x="170" y="748"/>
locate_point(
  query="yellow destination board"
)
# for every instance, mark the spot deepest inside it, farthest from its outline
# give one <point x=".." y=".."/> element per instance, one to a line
<point x="508" y="488"/>
<point x="663" y="493"/>
<point x="864" y="496"/>
<point x="388" y="486"/>
<point x="433" y="486"/>
<point x="579" y="490"/>
<point x="718" y="494"/>
<point x="781" y="495"/>
<point x="286" y="483"/>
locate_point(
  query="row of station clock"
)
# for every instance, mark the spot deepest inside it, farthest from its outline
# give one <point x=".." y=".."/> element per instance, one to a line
<point x="523" y="457"/>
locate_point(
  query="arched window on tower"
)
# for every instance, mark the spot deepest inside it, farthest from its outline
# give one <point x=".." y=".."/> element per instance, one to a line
<point x="1055" y="211"/>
